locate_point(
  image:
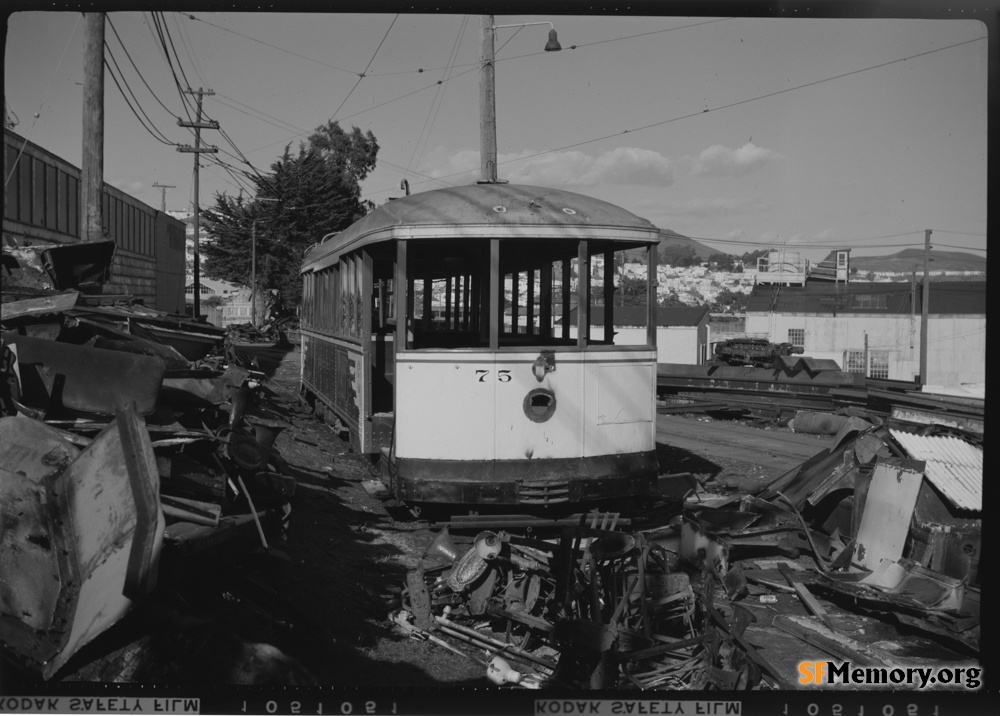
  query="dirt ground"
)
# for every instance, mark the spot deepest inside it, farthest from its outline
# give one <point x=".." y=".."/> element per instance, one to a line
<point x="312" y="609"/>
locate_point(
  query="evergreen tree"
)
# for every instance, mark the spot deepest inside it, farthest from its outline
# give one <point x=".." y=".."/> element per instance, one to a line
<point x="307" y="195"/>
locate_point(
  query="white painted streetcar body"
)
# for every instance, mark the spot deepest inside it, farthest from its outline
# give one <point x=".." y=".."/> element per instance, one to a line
<point x="442" y="329"/>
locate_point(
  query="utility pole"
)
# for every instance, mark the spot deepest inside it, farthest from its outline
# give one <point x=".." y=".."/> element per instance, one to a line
<point x="487" y="93"/>
<point x="163" y="194"/>
<point x="198" y="125"/>
<point x="92" y="158"/>
<point x="487" y="104"/>
<point x="253" y="274"/>
<point x="924" y="300"/>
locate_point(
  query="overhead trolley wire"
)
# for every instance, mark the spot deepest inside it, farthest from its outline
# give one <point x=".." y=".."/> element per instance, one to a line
<point x="361" y="76"/>
<point x="188" y="46"/>
<point x="437" y="101"/>
<point x="732" y="104"/>
<point x="571" y="47"/>
<point x="13" y="165"/>
<point x="268" y="44"/>
<point x="960" y="233"/>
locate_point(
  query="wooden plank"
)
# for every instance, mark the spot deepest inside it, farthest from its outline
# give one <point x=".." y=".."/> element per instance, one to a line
<point x="807" y="598"/>
<point x="836" y="645"/>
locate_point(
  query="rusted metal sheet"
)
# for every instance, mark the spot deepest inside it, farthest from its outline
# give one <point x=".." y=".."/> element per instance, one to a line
<point x="18" y="311"/>
<point x="90" y="380"/>
<point x="953" y="466"/>
<point x="89" y="523"/>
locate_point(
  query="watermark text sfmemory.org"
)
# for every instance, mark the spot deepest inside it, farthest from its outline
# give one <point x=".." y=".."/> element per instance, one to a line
<point x="817" y="673"/>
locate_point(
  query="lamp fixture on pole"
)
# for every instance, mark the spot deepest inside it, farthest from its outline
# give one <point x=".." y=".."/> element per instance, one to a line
<point x="487" y="93"/>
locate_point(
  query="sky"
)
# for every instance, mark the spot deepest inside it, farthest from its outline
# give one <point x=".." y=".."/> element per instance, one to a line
<point x="744" y="133"/>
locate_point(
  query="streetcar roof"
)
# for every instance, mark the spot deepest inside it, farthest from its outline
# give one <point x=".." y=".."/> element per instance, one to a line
<point x="487" y="211"/>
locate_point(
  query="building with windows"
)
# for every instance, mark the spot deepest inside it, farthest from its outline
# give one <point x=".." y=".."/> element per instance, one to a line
<point x="681" y="331"/>
<point x="42" y="206"/>
<point x="874" y="328"/>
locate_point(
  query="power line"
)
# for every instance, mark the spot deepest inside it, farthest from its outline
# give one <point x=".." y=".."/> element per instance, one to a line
<point x="571" y="47"/>
<point x="732" y="104"/>
<point x="166" y="31"/>
<point x="759" y="243"/>
<point x="961" y="233"/>
<point x="170" y="64"/>
<point x="27" y="134"/>
<point x="437" y="101"/>
<point x="826" y="241"/>
<point x="151" y="128"/>
<point x="189" y="47"/>
<point x="282" y="49"/>
<point x="962" y="248"/>
<point x="369" y="109"/>
<point x="362" y="75"/>
<point x="129" y="56"/>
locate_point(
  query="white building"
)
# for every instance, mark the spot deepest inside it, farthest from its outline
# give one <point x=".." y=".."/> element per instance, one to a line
<point x="874" y="328"/>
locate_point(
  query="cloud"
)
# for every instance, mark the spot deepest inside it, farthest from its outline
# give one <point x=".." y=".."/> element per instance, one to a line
<point x="622" y="165"/>
<point x="720" y="161"/>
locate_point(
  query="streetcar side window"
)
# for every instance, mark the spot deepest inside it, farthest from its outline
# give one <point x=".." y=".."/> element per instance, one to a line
<point x="447" y="294"/>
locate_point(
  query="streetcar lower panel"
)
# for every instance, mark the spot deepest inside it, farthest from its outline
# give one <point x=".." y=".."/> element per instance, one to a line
<point x="526" y="482"/>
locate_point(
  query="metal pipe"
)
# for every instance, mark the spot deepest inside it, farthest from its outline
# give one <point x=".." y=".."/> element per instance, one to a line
<point x="496" y="643"/>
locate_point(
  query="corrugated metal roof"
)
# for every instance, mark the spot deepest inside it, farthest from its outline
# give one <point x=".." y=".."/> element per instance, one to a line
<point x="953" y="466"/>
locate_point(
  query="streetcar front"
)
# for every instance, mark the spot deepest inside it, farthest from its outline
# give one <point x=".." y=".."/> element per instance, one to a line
<point x="509" y="382"/>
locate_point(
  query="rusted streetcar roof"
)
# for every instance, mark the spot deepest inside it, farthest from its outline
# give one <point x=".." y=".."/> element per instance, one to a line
<point x="483" y="210"/>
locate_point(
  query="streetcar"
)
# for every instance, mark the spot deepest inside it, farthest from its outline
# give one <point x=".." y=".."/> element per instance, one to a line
<point x="465" y="337"/>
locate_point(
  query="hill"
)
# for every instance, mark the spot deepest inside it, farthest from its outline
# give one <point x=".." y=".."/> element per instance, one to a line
<point x="671" y="241"/>
<point x="910" y="260"/>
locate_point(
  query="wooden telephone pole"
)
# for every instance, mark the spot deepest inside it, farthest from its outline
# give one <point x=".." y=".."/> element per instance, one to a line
<point x="924" y="300"/>
<point x="487" y="104"/>
<point x="92" y="158"/>
<point x="198" y="125"/>
<point x="163" y="194"/>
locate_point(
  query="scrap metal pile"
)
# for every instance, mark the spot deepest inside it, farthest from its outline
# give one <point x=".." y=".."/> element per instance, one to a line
<point x="885" y="526"/>
<point x="134" y="441"/>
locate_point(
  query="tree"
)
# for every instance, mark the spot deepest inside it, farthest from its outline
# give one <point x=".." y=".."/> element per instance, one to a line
<point x="729" y="301"/>
<point x="723" y="261"/>
<point x="309" y="194"/>
<point x="679" y="256"/>
<point x="631" y="291"/>
<point x="750" y="257"/>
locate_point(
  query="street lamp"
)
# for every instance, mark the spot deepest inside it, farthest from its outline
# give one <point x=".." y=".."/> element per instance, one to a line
<point x="487" y="94"/>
